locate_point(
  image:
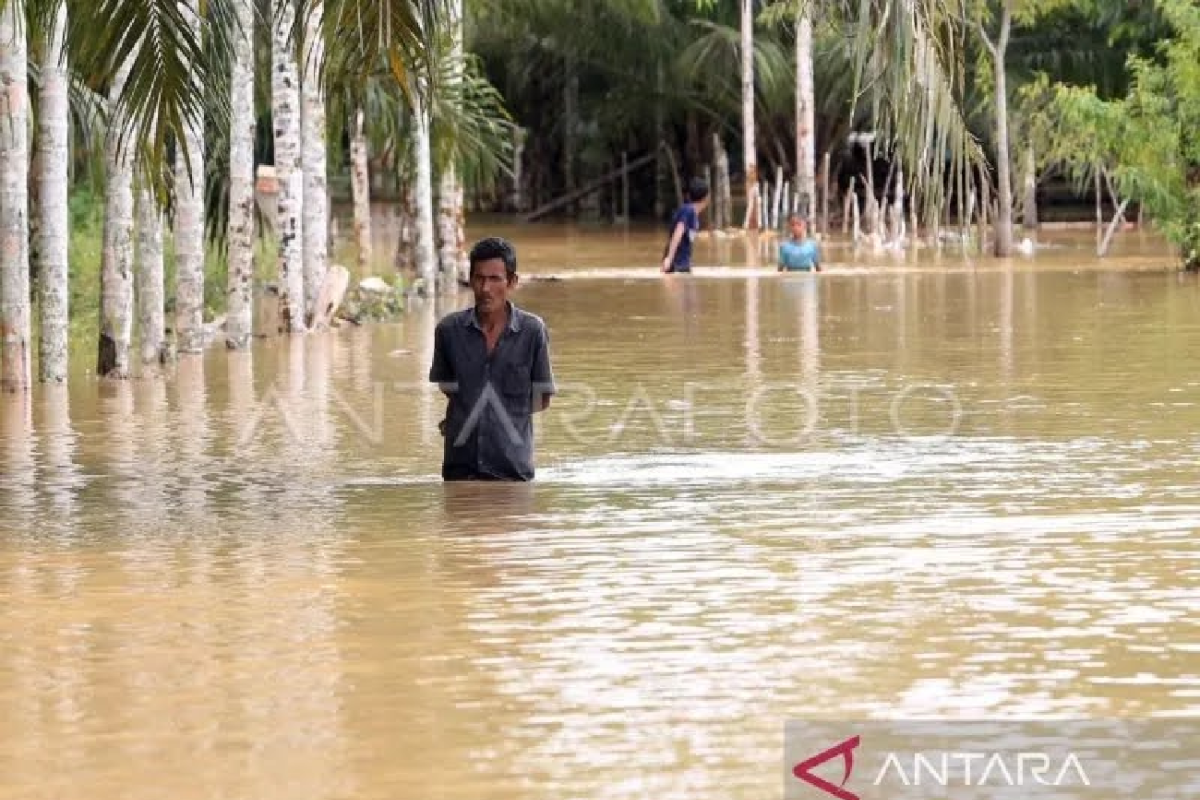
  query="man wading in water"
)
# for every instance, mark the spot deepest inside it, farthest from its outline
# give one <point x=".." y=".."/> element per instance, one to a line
<point x="492" y="361"/>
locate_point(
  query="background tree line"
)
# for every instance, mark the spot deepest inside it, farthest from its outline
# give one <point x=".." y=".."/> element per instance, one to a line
<point x="132" y="131"/>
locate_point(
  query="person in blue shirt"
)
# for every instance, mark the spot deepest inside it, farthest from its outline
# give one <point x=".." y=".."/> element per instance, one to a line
<point x="800" y="253"/>
<point x="685" y="224"/>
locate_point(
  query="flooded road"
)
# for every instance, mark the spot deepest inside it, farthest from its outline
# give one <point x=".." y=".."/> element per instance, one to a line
<point x="966" y="493"/>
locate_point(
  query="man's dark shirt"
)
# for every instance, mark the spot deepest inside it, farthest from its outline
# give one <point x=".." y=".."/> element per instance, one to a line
<point x="489" y="426"/>
<point x="690" y="218"/>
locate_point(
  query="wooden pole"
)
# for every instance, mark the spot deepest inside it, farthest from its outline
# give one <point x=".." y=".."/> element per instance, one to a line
<point x="850" y="198"/>
<point x="825" y="195"/>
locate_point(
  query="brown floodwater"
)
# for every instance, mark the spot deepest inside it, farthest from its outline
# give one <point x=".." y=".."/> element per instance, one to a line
<point x="909" y="486"/>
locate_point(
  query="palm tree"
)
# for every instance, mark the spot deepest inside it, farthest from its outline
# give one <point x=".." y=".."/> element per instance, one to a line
<point x="240" y="225"/>
<point x="426" y="245"/>
<point x="15" y="317"/>
<point x="749" y="145"/>
<point x="806" y="148"/>
<point x="53" y="132"/>
<point x="189" y="221"/>
<point x="285" y="116"/>
<point x="360" y="189"/>
<point x="450" y="192"/>
<point x="312" y="123"/>
<point x="116" y="270"/>
<point x="148" y="284"/>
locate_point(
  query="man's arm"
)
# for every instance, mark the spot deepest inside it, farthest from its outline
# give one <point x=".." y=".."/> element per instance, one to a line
<point x="543" y="373"/>
<point x="441" y="371"/>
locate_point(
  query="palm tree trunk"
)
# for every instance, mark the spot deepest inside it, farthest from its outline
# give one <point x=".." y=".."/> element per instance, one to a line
<point x="748" y="136"/>
<point x="316" y="198"/>
<point x="240" y="319"/>
<point x="116" y="269"/>
<point x="450" y="230"/>
<point x="149" y="280"/>
<point x="406" y="225"/>
<point x="806" y="146"/>
<point x="53" y="230"/>
<point x="285" y="97"/>
<point x="450" y="192"/>
<point x="426" y="249"/>
<point x="360" y="186"/>
<point x="189" y="229"/>
<point x="15" y="316"/>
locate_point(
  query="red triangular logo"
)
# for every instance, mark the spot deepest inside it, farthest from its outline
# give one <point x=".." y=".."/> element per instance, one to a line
<point x="803" y="770"/>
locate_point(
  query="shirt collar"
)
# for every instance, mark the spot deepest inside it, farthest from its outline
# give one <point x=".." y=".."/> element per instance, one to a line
<point x="471" y="319"/>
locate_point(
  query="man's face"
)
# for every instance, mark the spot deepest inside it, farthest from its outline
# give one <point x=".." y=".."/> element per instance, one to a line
<point x="798" y="228"/>
<point x="491" y="285"/>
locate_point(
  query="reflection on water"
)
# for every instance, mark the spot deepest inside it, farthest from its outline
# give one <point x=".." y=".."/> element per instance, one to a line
<point x="759" y="497"/>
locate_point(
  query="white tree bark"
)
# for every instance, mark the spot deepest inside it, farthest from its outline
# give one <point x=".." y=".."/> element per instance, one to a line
<point x="15" y="315"/>
<point x="1030" y="204"/>
<point x="316" y="198"/>
<point x="806" y="144"/>
<point x="426" y="247"/>
<point x="116" y="268"/>
<point x="189" y="226"/>
<point x="406" y="225"/>
<point x="750" y="157"/>
<point x="285" y="97"/>
<point x="453" y="257"/>
<point x="450" y="231"/>
<point x="240" y="304"/>
<point x="998" y="51"/>
<point x="53" y="230"/>
<point x="149" y="280"/>
<point x="518" y="191"/>
<point x="360" y="187"/>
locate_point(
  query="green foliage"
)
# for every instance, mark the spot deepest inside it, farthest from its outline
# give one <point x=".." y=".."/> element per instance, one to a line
<point x="86" y="205"/>
<point x="1147" y="143"/>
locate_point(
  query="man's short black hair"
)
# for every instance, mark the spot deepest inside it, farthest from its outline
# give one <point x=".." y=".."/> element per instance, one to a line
<point x="494" y="247"/>
<point x="697" y="190"/>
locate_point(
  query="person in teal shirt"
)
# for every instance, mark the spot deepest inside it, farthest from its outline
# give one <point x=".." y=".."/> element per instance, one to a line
<point x="799" y="253"/>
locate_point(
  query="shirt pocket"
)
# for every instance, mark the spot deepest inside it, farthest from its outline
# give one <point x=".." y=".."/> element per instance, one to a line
<point x="516" y="386"/>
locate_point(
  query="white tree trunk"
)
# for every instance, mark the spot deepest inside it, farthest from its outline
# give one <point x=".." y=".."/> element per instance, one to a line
<point x="189" y="227"/>
<point x="406" y="226"/>
<point x="53" y="230"/>
<point x="360" y="187"/>
<point x="15" y="316"/>
<point x="723" y="190"/>
<point x="750" y="157"/>
<point x="285" y="99"/>
<point x="1003" y="160"/>
<point x="898" y="231"/>
<point x="116" y="268"/>
<point x="240" y="307"/>
<point x="450" y="231"/>
<point x="316" y="198"/>
<point x="806" y="144"/>
<point x="1030" y="204"/>
<point x="149" y="280"/>
<point x="518" y="190"/>
<point x="426" y="249"/>
<point x="453" y="257"/>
